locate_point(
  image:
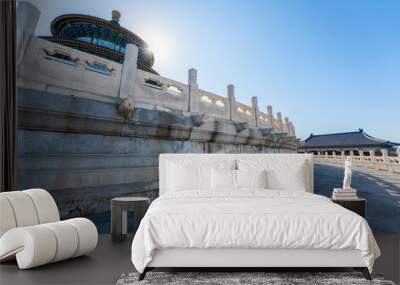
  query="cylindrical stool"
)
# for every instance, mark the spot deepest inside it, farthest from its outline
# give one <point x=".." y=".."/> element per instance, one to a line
<point x="119" y="208"/>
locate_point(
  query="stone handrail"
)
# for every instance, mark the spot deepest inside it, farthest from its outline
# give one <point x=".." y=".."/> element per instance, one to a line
<point x="154" y="90"/>
<point x="386" y="163"/>
<point x="47" y="66"/>
<point x="264" y="121"/>
<point x="213" y="105"/>
<point x="244" y="113"/>
<point x="52" y="67"/>
<point x="276" y="124"/>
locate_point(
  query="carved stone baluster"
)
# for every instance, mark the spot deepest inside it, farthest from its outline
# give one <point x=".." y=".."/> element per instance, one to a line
<point x="128" y="81"/>
<point x="232" y="102"/>
<point x="194" y="97"/>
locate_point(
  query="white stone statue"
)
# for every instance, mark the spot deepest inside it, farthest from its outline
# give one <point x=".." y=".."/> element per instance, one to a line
<point x="347" y="174"/>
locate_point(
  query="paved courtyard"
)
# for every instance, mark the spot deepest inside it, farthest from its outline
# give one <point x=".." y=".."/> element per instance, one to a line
<point x="380" y="188"/>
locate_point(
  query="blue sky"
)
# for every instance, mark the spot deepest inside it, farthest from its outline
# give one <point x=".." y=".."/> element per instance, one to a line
<point x="331" y="66"/>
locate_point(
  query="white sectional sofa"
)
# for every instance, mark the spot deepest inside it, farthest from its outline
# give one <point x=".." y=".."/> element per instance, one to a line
<point x="31" y="230"/>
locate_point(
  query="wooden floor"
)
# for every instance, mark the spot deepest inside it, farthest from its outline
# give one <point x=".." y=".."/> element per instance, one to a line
<point x="111" y="259"/>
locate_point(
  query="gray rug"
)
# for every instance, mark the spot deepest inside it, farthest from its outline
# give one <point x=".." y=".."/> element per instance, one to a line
<point x="269" y="278"/>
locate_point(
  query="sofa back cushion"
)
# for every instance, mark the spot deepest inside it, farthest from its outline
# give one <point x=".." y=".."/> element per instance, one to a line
<point x="223" y="180"/>
<point x="186" y="174"/>
<point x="298" y="168"/>
<point x="26" y="208"/>
<point x="184" y="177"/>
<point x="282" y="174"/>
<point x="256" y="178"/>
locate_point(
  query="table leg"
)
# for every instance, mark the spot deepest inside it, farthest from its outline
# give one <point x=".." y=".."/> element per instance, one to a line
<point x="116" y="221"/>
<point x="140" y="211"/>
<point x="124" y="218"/>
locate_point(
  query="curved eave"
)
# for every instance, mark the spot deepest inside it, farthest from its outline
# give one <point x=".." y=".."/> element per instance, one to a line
<point x="58" y="22"/>
<point x="99" y="51"/>
<point x="350" y="146"/>
<point x="366" y="141"/>
<point x="378" y="140"/>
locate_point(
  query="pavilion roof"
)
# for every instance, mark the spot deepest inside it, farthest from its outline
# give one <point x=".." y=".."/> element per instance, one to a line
<point x="349" y="139"/>
<point x="62" y="20"/>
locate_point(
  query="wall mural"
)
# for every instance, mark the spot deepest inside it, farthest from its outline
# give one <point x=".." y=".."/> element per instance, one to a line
<point x="94" y="116"/>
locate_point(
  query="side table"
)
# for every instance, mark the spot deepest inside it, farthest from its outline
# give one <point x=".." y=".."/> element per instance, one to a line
<point x="357" y="205"/>
<point x="119" y="216"/>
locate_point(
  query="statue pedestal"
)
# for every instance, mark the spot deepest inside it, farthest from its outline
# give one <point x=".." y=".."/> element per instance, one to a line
<point x="344" y="194"/>
<point x="350" y="190"/>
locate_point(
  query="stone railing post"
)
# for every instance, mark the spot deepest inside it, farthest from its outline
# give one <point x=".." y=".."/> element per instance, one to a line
<point x="384" y="152"/>
<point x="128" y="76"/>
<point x="232" y="102"/>
<point x="292" y="130"/>
<point x="128" y="80"/>
<point x="280" y="122"/>
<point x="286" y="126"/>
<point x="254" y="104"/>
<point x="371" y="154"/>
<point x="194" y="100"/>
<point x="270" y="116"/>
<point x="27" y="18"/>
<point x="361" y="155"/>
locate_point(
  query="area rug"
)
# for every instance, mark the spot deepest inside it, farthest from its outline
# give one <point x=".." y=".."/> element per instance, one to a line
<point x="269" y="278"/>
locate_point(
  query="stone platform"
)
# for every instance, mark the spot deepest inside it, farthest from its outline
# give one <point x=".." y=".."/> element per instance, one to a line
<point x="85" y="153"/>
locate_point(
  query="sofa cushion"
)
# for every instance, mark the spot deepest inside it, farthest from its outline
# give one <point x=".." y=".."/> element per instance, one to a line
<point x="87" y="235"/>
<point x="45" y="205"/>
<point x="23" y="208"/>
<point x="26" y="208"/>
<point x="32" y="246"/>
<point x="67" y="240"/>
<point x="251" y="179"/>
<point x="264" y="161"/>
<point x="7" y="218"/>
<point x="282" y="174"/>
<point x="223" y="179"/>
<point x="188" y="177"/>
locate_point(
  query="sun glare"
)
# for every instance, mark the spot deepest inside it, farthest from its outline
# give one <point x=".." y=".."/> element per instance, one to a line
<point x="160" y="46"/>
